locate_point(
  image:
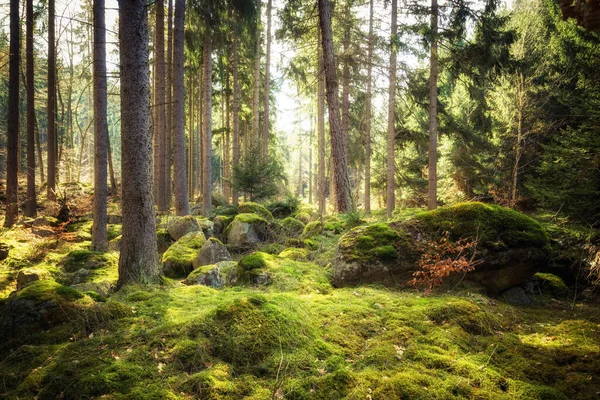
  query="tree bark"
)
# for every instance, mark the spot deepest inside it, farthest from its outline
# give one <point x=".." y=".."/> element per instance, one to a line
<point x="433" y="77"/>
<point x="159" y="99"/>
<point x="138" y="260"/>
<point x="12" y="145"/>
<point x="30" y="204"/>
<point x="169" y="111"/>
<point x="321" y="131"/>
<point x="265" y="149"/>
<point x="207" y="148"/>
<point x="346" y="80"/>
<point x="190" y="157"/>
<point x="182" y="205"/>
<point x="256" y="142"/>
<point x="338" y="147"/>
<point x="99" y="237"/>
<point x="236" y="116"/>
<point x="391" y="131"/>
<point x="367" y="198"/>
<point x="51" y="109"/>
<point x="227" y="155"/>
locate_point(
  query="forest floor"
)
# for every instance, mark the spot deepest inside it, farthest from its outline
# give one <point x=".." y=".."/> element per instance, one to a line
<point x="298" y="338"/>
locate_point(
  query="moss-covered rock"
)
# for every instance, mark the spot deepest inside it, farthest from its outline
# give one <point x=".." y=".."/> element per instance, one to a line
<point x="163" y="240"/>
<point x="207" y="226"/>
<point x="304" y="217"/>
<point x="250" y="207"/>
<point x="210" y="275"/>
<point x="87" y="259"/>
<point x="180" y="226"/>
<point x="547" y="284"/>
<point x="212" y="252"/>
<point x="178" y="259"/>
<point x="29" y="275"/>
<point x="247" y="230"/>
<point x="296" y="254"/>
<point x="327" y="226"/>
<point x="220" y="223"/>
<point x="292" y="227"/>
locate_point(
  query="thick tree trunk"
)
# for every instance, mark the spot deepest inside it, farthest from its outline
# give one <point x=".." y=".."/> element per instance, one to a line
<point x="236" y="116"/>
<point x="265" y="148"/>
<point x="51" y="109"/>
<point x="99" y="238"/>
<point x="227" y="155"/>
<point x="367" y="198"/>
<point x="182" y="205"/>
<point x="391" y="130"/>
<point x="346" y="81"/>
<point x="338" y="147"/>
<point x="321" y="131"/>
<point x="199" y="146"/>
<point x="190" y="157"/>
<point x="207" y="148"/>
<point x="256" y="137"/>
<point x="12" y="145"/>
<point x="38" y="146"/>
<point x="433" y="76"/>
<point x="30" y="204"/>
<point x="138" y="260"/>
<point x="159" y="98"/>
<point x="169" y="111"/>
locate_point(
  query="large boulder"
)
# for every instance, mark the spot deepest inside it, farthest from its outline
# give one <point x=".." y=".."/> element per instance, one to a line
<point x="292" y="227"/>
<point x="179" y="258"/>
<point x="212" y="252"/>
<point x="28" y="275"/>
<point x="210" y="275"/>
<point x="510" y="246"/>
<point x="250" y="207"/>
<point x="220" y="223"/>
<point x="247" y="230"/>
<point x="180" y="226"/>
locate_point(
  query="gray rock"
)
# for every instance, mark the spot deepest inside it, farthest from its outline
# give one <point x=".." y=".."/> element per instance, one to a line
<point x="517" y="295"/>
<point x="210" y="275"/>
<point x="207" y="227"/>
<point x="212" y="252"/>
<point x="29" y="275"/>
<point x="42" y="232"/>
<point x="178" y="259"/>
<point x="80" y="276"/>
<point x="180" y="226"/>
<point x="247" y="230"/>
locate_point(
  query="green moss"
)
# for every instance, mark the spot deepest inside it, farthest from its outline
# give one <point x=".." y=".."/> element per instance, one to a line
<point x="468" y="315"/>
<point x="312" y="229"/>
<point x="295" y="254"/>
<point x="250" y="218"/>
<point x="47" y="290"/>
<point x="191" y="355"/>
<point x="226" y="210"/>
<point x="292" y="227"/>
<point x="550" y="284"/>
<point x="272" y="248"/>
<point x="253" y="261"/>
<point x="255" y="208"/>
<point x="494" y="226"/>
<point x="88" y="259"/>
<point x="113" y="231"/>
<point x="375" y="242"/>
<point x="178" y="258"/>
<point x="304" y="217"/>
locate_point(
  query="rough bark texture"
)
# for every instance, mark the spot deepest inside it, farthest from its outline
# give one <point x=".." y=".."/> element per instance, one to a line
<point x="12" y="209"/>
<point x="343" y="199"/>
<point x="236" y="117"/>
<point x="169" y="110"/>
<point x="391" y="131"/>
<point x="433" y="75"/>
<point x="367" y="200"/>
<point x="207" y="148"/>
<point x="99" y="238"/>
<point x="51" y="109"/>
<point x="346" y="80"/>
<point x="227" y="155"/>
<point x="182" y="205"/>
<point x="159" y="98"/>
<point x="256" y="94"/>
<point x="138" y="261"/>
<point x="30" y="204"/>
<point x="321" y="132"/>
<point x="265" y="149"/>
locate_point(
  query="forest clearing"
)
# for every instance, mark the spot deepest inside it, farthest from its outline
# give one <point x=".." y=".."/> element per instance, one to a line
<point x="299" y="199"/>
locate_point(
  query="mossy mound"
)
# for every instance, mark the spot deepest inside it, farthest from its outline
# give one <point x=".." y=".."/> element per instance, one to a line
<point x="229" y="211"/>
<point x="548" y="284"/>
<point x="250" y="207"/>
<point x="87" y="259"/>
<point x="304" y="217"/>
<point x="494" y="227"/>
<point x="292" y="227"/>
<point x="220" y="223"/>
<point x="296" y="254"/>
<point x="328" y="226"/>
<point x="283" y="208"/>
<point x="179" y="258"/>
<point x="247" y="230"/>
<point x="279" y="274"/>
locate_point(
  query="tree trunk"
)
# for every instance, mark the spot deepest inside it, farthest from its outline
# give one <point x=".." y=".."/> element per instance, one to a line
<point x="111" y="170"/>
<point x="12" y="146"/>
<point x="30" y="204"/>
<point x="433" y="75"/>
<point x="256" y="142"/>
<point x="310" y="159"/>
<point x="321" y="131"/>
<point x="38" y="146"/>
<point x="227" y="162"/>
<point x="138" y="260"/>
<point x="391" y="131"/>
<point x="367" y="198"/>
<point x="159" y="98"/>
<point x="207" y="148"/>
<point x="190" y="157"/>
<point x="199" y="146"/>
<point x="236" y="116"/>
<point x="169" y="113"/>
<point x="518" y="144"/>
<point x="265" y="149"/>
<point x="51" y="109"/>
<point x="182" y="205"/>
<point x="99" y="238"/>
<point x="346" y="81"/>
<point x="338" y="147"/>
